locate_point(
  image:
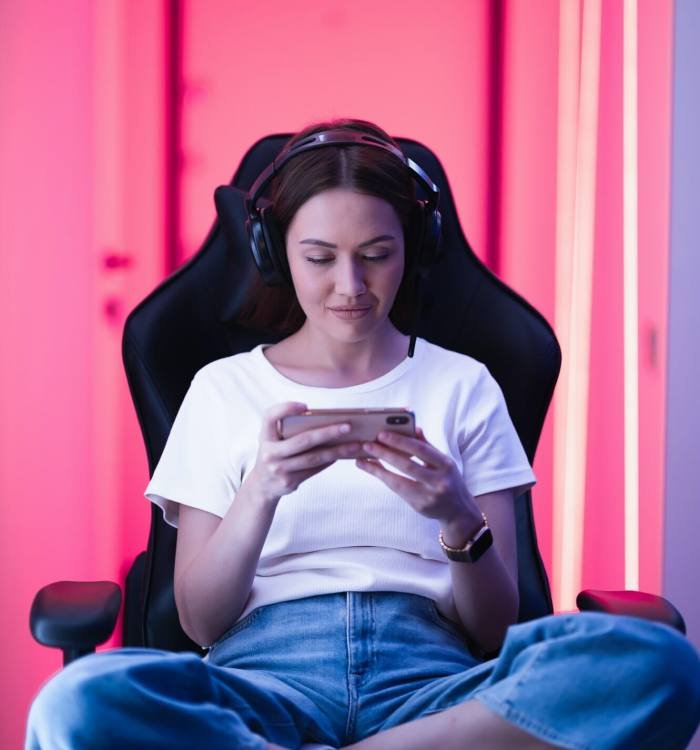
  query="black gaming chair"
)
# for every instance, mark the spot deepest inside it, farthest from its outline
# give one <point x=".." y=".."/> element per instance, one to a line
<point x="191" y="319"/>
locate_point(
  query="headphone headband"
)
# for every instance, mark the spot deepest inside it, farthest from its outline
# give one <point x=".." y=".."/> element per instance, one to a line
<point x="340" y="137"/>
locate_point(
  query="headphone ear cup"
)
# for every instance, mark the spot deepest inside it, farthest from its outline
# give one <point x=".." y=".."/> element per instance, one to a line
<point x="275" y="244"/>
<point x="258" y="249"/>
<point x="265" y="244"/>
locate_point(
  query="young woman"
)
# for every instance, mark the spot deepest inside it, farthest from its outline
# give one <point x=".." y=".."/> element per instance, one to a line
<point x="326" y="584"/>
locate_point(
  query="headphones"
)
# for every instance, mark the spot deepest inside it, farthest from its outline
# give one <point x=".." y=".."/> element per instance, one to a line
<point x="266" y="241"/>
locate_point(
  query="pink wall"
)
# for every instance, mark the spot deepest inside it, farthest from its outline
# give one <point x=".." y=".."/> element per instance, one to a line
<point x="46" y="473"/>
<point x="604" y="517"/>
<point x="81" y="154"/>
<point x="603" y="563"/>
<point x="527" y="220"/>
<point x="84" y="156"/>
<point x="246" y="74"/>
<point x="655" y="118"/>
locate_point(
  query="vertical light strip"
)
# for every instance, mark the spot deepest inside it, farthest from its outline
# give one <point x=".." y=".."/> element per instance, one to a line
<point x="572" y="500"/>
<point x="567" y="119"/>
<point x="631" y="302"/>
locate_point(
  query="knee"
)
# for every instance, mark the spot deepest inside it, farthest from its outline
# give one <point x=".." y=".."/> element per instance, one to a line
<point x="664" y="668"/>
<point x="60" y="707"/>
<point x="651" y="655"/>
<point x="67" y="710"/>
<point x="650" y="668"/>
<point x="675" y="671"/>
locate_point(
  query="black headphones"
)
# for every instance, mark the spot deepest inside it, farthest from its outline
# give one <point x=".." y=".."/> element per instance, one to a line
<point x="266" y="241"/>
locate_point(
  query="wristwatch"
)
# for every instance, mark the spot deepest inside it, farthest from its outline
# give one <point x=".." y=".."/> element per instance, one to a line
<point x="474" y="547"/>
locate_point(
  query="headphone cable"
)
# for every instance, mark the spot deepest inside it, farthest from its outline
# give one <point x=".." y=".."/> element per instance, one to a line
<point x="418" y="296"/>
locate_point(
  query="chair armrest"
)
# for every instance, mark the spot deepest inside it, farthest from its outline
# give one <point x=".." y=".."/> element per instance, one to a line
<point x="634" y="603"/>
<point x="75" y="616"/>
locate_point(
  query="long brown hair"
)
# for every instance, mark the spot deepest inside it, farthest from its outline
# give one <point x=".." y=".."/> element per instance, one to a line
<point x="365" y="169"/>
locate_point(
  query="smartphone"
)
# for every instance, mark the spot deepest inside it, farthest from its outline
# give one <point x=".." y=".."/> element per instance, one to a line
<point x="365" y="424"/>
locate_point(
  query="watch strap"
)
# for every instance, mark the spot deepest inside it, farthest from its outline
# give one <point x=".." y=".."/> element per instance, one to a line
<point x="474" y="547"/>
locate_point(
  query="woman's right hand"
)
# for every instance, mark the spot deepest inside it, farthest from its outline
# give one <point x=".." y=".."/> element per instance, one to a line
<point x="282" y="465"/>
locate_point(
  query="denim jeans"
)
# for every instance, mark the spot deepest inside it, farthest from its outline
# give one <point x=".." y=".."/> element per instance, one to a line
<point x="340" y="667"/>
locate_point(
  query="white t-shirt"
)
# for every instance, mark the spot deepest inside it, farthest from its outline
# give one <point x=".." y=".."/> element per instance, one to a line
<point x="342" y="529"/>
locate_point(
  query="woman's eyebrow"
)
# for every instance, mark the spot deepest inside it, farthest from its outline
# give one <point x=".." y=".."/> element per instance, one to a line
<point x="381" y="237"/>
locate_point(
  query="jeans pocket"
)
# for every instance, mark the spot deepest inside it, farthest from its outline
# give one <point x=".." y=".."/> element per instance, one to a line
<point x="444" y="622"/>
<point x="237" y="626"/>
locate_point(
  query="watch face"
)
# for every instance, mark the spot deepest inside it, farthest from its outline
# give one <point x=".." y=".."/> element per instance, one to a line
<point x="481" y="544"/>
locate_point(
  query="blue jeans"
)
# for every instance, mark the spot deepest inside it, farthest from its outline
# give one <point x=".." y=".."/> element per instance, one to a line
<point x="340" y="667"/>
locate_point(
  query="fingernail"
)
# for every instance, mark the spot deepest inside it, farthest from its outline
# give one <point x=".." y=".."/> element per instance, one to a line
<point x="345" y="428"/>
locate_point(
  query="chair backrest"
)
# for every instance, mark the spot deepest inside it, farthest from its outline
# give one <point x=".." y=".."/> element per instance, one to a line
<point x="190" y="320"/>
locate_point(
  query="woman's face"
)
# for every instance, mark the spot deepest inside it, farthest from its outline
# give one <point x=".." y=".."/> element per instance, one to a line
<point x="346" y="257"/>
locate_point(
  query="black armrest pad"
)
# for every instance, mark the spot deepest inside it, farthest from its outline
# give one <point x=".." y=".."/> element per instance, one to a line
<point x="75" y="614"/>
<point x="634" y="603"/>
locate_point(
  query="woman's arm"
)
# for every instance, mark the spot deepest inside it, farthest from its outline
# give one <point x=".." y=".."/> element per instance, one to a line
<point x="215" y="563"/>
<point x="216" y="559"/>
<point x="486" y="591"/>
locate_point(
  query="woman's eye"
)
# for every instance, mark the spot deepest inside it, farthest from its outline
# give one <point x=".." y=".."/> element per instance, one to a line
<point x="370" y="258"/>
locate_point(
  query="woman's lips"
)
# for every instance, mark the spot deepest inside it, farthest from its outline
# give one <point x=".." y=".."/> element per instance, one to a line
<point x="349" y="313"/>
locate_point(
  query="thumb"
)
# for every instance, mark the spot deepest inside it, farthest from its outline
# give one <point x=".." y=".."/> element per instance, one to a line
<point x="275" y="413"/>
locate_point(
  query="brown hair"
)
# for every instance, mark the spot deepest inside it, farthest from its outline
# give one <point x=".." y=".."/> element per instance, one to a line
<point x="365" y="169"/>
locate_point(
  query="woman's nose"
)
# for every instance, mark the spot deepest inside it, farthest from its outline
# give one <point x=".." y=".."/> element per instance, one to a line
<point x="350" y="281"/>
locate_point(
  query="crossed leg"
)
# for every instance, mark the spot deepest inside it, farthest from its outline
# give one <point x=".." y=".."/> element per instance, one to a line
<point x="469" y="722"/>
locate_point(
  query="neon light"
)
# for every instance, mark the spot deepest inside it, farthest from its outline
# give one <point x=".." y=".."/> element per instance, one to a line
<point x="567" y="118"/>
<point x="630" y="281"/>
<point x="573" y="429"/>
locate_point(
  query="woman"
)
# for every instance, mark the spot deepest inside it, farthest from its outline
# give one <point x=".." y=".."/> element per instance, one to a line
<point x="326" y="584"/>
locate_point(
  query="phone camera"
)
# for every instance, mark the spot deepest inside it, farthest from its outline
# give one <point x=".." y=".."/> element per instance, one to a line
<point x="397" y="420"/>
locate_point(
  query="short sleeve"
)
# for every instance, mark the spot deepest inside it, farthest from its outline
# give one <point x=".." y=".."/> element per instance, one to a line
<point x="195" y="467"/>
<point x="493" y="457"/>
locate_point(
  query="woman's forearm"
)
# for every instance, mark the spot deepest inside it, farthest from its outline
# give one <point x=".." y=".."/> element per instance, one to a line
<point x="213" y="589"/>
<point x="486" y="598"/>
<point x="485" y="592"/>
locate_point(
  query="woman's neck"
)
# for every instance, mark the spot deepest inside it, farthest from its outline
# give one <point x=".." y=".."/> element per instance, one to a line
<point x="308" y="356"/>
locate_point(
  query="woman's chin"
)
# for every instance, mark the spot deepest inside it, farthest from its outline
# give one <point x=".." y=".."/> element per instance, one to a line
<point x="349" y="329"/>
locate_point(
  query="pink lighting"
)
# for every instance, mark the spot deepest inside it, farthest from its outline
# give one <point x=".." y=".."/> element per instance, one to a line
<point x="630" y="297"/>
<point x="124" y="118"/>
<point x="571" y="448"/>
<point x="606" y="389"/>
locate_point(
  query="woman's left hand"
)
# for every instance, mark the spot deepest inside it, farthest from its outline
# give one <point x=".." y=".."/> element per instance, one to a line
<point x="434" y="487"/>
